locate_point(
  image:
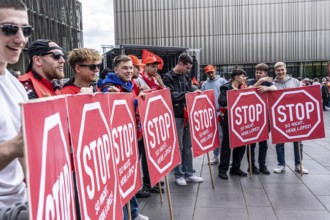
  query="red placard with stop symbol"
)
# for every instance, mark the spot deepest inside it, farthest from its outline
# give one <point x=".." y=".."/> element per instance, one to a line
<point x="50" y="179"/>
<point x="94" y="157"/>
<point x="296" y="114"/>
<point x="203" y="122"/>
<point x="123" y="136"/>
<point x="247" y="117"/>
<point x="159" y="134"/>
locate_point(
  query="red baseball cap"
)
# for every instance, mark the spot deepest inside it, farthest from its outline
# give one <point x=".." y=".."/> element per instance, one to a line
<point x="135" y="60"/>
<point x="209" y="68"/>
<point x="151" y="60"/>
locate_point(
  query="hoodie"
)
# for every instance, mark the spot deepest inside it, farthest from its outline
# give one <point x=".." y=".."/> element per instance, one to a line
<point x="288" y="82"/>
<point x="112" y="79"/>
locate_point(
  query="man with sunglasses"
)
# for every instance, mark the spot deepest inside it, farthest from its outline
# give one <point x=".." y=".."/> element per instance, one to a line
<point x="46" y="64"/>
<point x="14" y="33"/>
<point x="86" y="65"/>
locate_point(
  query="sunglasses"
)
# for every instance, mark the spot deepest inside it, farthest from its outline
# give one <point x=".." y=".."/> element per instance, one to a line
<point x="55" y="55"/>
<point x="92" y="67"/>
<point x="11" y="30"/>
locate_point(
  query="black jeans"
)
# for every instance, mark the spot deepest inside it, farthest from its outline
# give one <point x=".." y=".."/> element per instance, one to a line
<point x="144" y="164"/>
<point x="262" y="153"/>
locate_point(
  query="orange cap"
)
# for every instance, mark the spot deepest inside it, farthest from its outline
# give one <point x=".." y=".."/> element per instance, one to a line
<point x="135" y="60"/>
<point x="209" y="68"/>
<point x="151" y="60"/>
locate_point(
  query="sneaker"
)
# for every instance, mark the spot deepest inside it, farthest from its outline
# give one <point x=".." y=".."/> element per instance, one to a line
<point x="264" y="170"/>
<point x="223" y="175"/>
<point x="142" y="194"/>
<point x="279" y="169"/>
<point x="194" y="179"/>
<point x="181" y="181"/>
<point x="255" y="170"/>
<point x="304" y="170"/>
<point x="214" y="160"/>
<point x="141" y="217"/>
<point x="237" y="172"/>
<point x="148" y="188"/>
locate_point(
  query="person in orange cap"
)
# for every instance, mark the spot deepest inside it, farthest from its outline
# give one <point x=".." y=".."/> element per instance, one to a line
<point x="150" y="75"/>
<point x="214" y="82"/>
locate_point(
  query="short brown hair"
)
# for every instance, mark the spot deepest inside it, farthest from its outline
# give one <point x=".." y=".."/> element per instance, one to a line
<point x="262" y="67"/>
<point x="185" y="59"/>
<point x="15" y="4"/>
<point x="120" y="58"/>
<point x="279" y="64"/>
<point x="80" y="55"/>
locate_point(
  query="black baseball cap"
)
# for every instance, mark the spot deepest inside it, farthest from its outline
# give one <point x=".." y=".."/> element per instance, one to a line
<point x="38" y="48"/>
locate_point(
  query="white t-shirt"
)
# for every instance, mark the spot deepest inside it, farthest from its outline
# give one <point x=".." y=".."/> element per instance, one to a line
<point x="12" y="187"/>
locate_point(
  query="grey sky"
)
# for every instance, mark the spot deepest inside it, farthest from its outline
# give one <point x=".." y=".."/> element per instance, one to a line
<point x="98" y="25"/>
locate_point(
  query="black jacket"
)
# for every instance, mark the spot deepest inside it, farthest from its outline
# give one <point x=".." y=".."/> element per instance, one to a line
<point x="179" y="84"/>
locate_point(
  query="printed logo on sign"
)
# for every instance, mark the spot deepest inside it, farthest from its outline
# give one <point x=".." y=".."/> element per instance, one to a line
<point x="55" y="201"/>
<point x="204" y="123"/>
<point x="160" y="132"/>
<point x="299" y="118"/>
<point x="94" y="161"/>
<point x="248" y="119"/>
<point x="124" y="139"/>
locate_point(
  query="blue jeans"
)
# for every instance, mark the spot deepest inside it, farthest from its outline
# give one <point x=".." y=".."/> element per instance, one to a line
<point x="184" y="169"/>
<point x="134" y="209"/>
<point x="216" y="152"/>
<point x="281" y="157"/>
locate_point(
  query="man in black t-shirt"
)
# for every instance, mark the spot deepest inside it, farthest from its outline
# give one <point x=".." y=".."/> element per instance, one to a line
<point x="264" y="84"/>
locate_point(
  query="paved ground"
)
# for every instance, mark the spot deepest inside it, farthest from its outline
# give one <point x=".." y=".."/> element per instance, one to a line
<point x="276" y="196"/>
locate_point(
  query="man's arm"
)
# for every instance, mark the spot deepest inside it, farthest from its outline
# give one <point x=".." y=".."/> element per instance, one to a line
<point x="11" y="150"/>
<point x="177" y="97"/>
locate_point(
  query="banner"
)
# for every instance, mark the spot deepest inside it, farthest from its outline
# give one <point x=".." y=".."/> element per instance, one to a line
<point x="50" y="180"/>
<point x="203" y="122"/>
<point x="124" y="139"/>
<point x="94" y="157"/>
<point x="247" y="117"/>
<point x="296" y="114"/>
<point x="159" y="134"/>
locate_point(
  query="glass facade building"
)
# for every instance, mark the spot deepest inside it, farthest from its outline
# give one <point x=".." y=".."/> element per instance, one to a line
<point x="233" y="33"/>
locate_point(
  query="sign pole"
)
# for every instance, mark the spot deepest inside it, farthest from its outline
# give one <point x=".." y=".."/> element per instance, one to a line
<point x="169" y="197"/>
<point x="250" y="161"/>
<point x="129" y="210"/>
<point x="160" y="192"/>
<point x="300" y="158"/>
<point x="211" y="175"/>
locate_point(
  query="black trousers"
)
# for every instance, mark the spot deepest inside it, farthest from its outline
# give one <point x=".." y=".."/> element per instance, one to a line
<point x="262" y="153"/>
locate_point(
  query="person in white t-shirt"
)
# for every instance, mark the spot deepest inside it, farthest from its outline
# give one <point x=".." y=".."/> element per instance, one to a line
<point x="14" y="33"/>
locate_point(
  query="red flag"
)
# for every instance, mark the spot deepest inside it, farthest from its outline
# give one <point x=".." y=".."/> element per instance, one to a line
<point x="146" y="54"/>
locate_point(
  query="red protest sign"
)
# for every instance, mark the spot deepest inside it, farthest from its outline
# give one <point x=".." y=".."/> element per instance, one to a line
<point x="203" y="122"/>
<point x="296" y="114"/>
<point x="247" y="117"/>
<point x="123" y="135"/>
<point x="159" y="133"/>
<point x="49" y="179"/>
<point x="94" y="157"/>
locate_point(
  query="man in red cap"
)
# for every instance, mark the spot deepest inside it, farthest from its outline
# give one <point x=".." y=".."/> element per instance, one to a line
<point x="214" y="82"/>
<point x="150" y="75"/>
<point x="46" y="63"/>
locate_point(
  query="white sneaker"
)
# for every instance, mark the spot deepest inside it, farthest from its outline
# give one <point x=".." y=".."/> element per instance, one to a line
<point x="304" y="170"/>
<point x="214" y="160"/>
<point x="181" y="181"/>
<point x="279" y="169"/>
<point x="141" y="217"/>
<point x="194" y="178"/>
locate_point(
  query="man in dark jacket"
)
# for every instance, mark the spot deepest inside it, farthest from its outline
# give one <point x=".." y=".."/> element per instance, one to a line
<point x="179" y="83"/>
<point x="238" y="78"/>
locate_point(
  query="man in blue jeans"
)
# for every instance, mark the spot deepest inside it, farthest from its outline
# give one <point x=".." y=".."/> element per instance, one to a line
<point x="284" y="81"/>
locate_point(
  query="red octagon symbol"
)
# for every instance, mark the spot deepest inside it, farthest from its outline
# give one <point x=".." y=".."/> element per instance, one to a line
<point x="252" y="112"/>
<point x="123" y="134"/>
<point x="159" y="130"/>
<point x="290" y="112"/>
<point x="95" y="154"/>
<point x="204" y="117"/>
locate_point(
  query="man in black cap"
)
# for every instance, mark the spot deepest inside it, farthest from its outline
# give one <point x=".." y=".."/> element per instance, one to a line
<point x="46" y="63"/>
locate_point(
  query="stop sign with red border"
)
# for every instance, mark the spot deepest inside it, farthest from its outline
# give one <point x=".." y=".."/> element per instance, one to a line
<point x="247" y="117"/>
<point x="159" y="134"/>
<point x="50" y="182"/>
<point x="123" y="136"/>
<point x="296" y="114"/>
<point x="203" y="122"/>
<point x="97" y="179"/>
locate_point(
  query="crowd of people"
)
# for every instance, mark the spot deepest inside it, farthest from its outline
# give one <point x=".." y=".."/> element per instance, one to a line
<point x="47" y="60"/>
